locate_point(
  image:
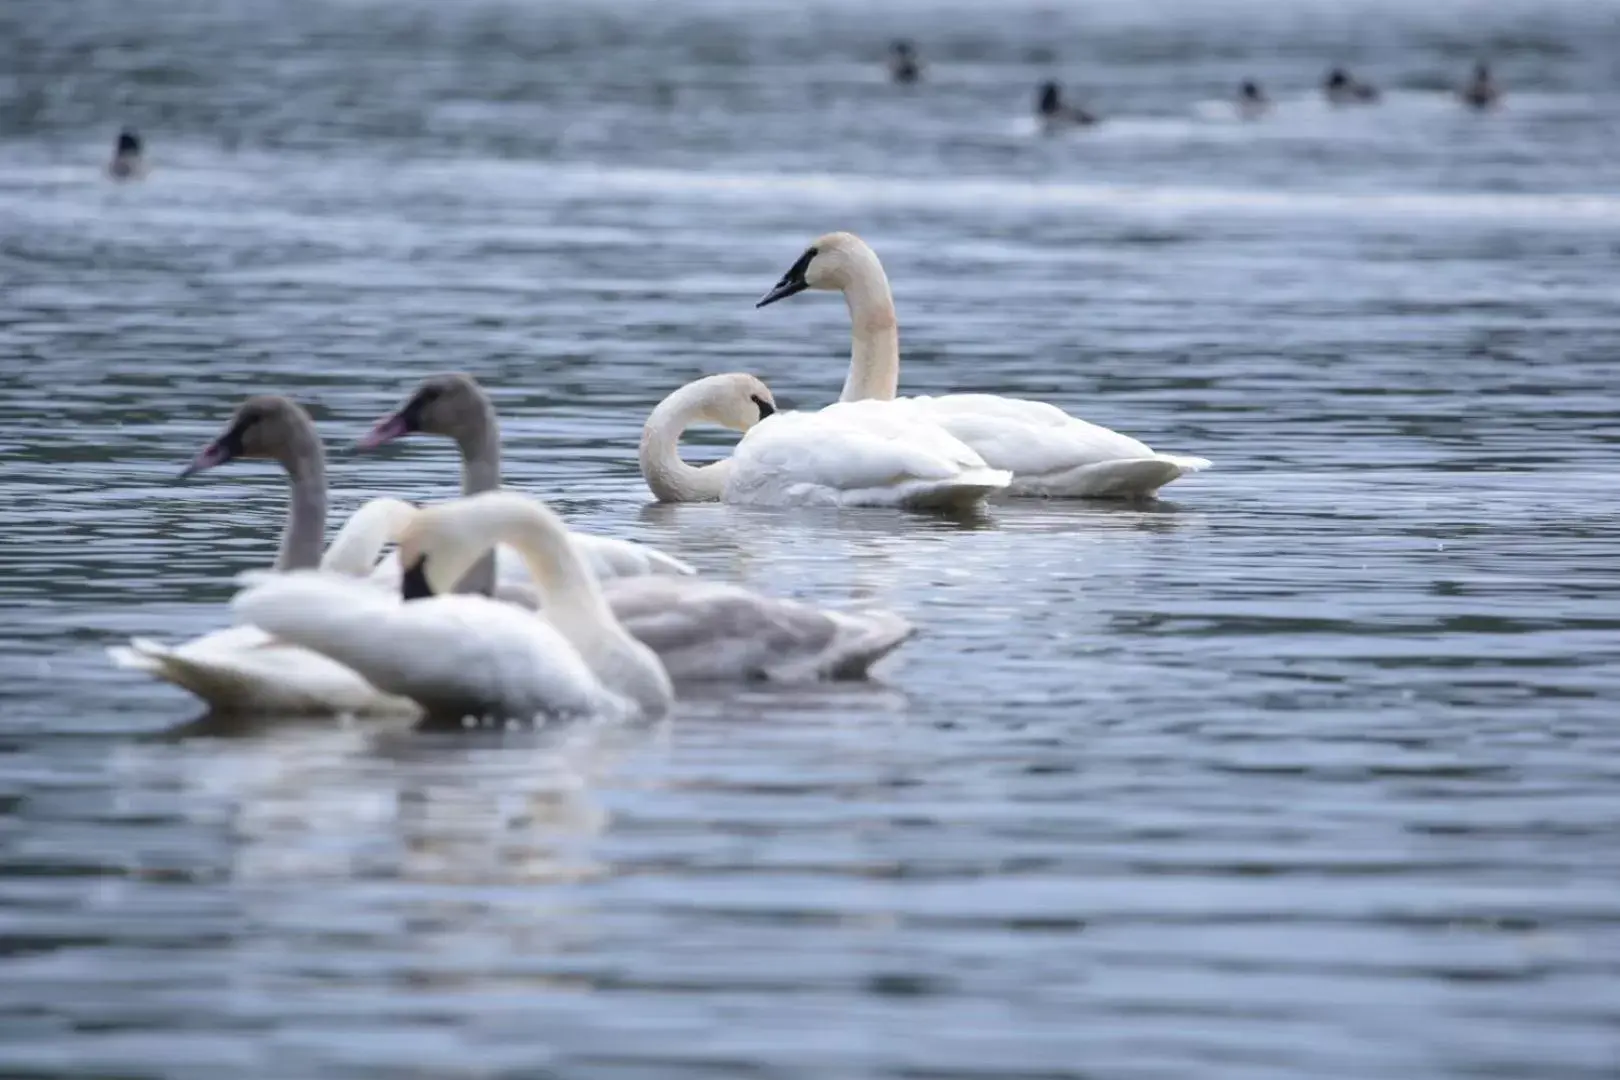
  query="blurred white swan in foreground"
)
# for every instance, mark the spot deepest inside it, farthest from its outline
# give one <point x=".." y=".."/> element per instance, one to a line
<point x="458" y="655"/>
<point x="855" y="454"/>
<point x="1048" y="452"/>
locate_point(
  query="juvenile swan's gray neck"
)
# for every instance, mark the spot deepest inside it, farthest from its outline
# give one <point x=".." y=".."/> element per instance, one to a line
<point x="480" y="443"/>
<point x="302" y="540"/>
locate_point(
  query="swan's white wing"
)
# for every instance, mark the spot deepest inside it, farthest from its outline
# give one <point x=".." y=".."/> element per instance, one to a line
<point x="242" y="669"/>
<point x="704" y="630"/>
<point x="1050" y="452"/>
<point x="855" y="454"/>
<point x="453" y="655"/>
<point x="354" y="550"/>
<point x="610" y="557"/>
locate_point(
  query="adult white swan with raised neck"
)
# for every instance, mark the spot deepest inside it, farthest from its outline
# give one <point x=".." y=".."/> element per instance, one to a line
<point x="854" y="454"/>
<point x="1048" y="452"/>
<point x="457" y="655"/>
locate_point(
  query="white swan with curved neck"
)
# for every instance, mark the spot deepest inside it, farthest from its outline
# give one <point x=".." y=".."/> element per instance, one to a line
<point x="458" y="655"/>
<point x="853" y="454"/>
<point x="1048" y="452"/>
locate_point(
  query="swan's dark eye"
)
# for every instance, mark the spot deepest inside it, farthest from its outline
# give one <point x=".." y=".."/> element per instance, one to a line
<point x="419" y="403"/>
<point x="765" y="407"/>
<point x="414" y="584"/>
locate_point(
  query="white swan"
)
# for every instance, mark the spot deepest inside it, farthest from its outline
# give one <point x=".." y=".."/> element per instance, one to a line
<point x="454" y="405"/>
<point x="458" y="655"/>
<point x="852" y="454"/>
<point x="700" y="630"/>
<point x="1049" y="452"/>
<point x="242" y="668"/>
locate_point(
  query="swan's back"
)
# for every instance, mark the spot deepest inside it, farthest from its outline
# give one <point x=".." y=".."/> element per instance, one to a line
<point x="707" y="630"/>
<point x="860" y="453"/>
<point x="453" y="655"/>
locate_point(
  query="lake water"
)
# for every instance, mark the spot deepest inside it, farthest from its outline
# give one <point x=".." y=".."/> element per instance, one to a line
<point x="1310" y="770"/>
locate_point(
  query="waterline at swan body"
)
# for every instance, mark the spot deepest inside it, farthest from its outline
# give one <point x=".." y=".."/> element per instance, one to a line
<point x="242" y="669"/>
<point x="1048" y="452"/>
<point x="458" y="655"/>
<point x="849" y="455"/>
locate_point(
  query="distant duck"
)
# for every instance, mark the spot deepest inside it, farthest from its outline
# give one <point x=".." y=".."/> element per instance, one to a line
<point x="1252" y="102"/>
<point x="127" y="163"/>
<point x="1341" y="88"/>
<point x="903" y="64"/>
<point x="1054" y="114"/>
<point x="1481" y="92"/>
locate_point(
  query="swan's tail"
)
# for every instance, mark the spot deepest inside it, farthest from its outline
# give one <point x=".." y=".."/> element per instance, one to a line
<point x="874" y="635"/>
<point x="961" y="492"/>
<point x="221" y="686"/>
<point x="1123" y="478"/>
<point x="242" y="670"/>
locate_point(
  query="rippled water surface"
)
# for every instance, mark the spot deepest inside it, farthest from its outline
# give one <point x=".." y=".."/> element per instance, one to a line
<point x="1310" y="770"/>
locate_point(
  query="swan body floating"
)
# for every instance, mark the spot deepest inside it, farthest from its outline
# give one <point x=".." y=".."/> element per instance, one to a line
<point x="1048" y="452"/>
<point x="457" y="655"/>
<point x="853" y="454"/>
<point x="242" y="669"/>
<point x="700" y="630"/>
<point x="455" y="406"/>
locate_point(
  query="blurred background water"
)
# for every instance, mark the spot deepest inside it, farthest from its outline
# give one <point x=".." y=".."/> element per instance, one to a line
<point x="1308" y="770"/>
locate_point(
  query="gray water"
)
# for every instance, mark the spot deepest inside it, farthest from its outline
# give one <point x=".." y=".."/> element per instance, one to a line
<point x="1308" y="770"/>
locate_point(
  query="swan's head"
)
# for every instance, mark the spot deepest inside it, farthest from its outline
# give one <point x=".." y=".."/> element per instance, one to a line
<point x="439" y="544"/>
<point x="268" y="426"/>
<point x="736" y="400"/>
<point x="835" y="261"/>
<point x="453" y="405"/>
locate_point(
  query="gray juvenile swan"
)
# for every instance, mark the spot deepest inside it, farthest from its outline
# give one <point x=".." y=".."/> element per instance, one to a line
<point x="242" y="668"/>
<point x="455" y="406"/>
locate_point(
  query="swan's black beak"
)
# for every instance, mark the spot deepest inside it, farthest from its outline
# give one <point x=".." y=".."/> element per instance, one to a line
<point x="782" y="290"/>
<point x="792" y="283"/>
<point x="414" y="585"/>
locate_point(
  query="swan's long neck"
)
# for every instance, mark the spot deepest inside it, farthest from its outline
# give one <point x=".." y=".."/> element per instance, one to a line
<point x="306" y="508"/>
<point x="573" y="601"/>
<point x="480" y="445"/>
<point x="874" y="360"/>
<point x="670" y="478"/>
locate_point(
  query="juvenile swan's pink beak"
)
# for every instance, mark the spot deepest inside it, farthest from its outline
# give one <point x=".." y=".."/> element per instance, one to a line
<point x="215" y="453"/>
<point x="387" y="429"/>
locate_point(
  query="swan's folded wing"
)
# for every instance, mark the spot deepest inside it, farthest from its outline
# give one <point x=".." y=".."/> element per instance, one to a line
<point x="845" y="452"/>
<point x="1028" y="437"/>
<point x="712" y="630"/>
<point x="607" y="557"/>
<point x="610" y="557"/>
<point x="451" y="654"/>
